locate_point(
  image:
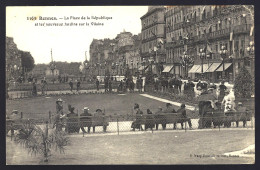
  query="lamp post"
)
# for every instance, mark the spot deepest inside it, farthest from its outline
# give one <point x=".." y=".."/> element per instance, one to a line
<point x="117" y="68"/>
<point x="202" y="57"/>
<point x="132" y="63"/>
<point x="223" y="53"/>
<point x="187" y="60"/>
<point x="143" y="63"/>
<point x="251" y="51"/>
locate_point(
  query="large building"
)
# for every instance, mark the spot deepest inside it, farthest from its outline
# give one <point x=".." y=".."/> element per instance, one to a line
<point x="115" y="56"/>
<point x="208" y="36"/>
<point x="153" y="36"/>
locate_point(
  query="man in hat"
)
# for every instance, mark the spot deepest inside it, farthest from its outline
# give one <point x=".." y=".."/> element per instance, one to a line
<point x="170" y="109"/>
<point x="182" y="110"/>
<point x="85" y="120"/>
<point x="159" y="118"/>
<point x="72" y="123"/>
<point x="139" y="113"/>
<point x="59" y="114"/>
<point x="71" y="85"/>
<point x="78" y="85"/>
<point x="97" y="84"/>
<point x="242" y="113"/>
<point x="222" y="89"/>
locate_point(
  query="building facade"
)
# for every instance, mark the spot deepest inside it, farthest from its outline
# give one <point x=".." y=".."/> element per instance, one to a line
<point x="118" y="56"/>
<point x="202" y="33"/>
<point x="153" y="37"/>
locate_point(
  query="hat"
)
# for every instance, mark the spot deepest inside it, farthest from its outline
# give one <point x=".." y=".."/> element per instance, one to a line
<point x="136" y="106"/>
<point x="183" y="105"/>
<point x="98" y="110"/>
<point x="15" y="111"/>
<point x="59" y="100"/>
<point x="239" y="103"/>
<point x="85" y="108"/>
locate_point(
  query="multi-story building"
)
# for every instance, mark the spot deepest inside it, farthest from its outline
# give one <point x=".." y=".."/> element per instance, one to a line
<point x="201" y="32"/>
<point x="13" y="59"/>
<point x="153" y="36"/>
<point x="115" y="56"/>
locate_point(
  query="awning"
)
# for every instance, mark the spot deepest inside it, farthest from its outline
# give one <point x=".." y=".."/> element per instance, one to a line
<point x="141" y="68"/>
<point x="212" y="68"/>
<point x="167" y="69"/>
<point x="205" y="67"/>
<point x="153" y="69"/>
<point x="194" y="68"/>
<point x="226" y="65"/>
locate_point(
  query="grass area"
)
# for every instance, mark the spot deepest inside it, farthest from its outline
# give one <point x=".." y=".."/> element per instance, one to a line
<point x="112" y="103"/>
<point x="148" y="148"/>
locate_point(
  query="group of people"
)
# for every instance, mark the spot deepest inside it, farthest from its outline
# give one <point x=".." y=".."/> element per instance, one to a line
<point x="74" y="122"/>
<point x="152" y="121"/>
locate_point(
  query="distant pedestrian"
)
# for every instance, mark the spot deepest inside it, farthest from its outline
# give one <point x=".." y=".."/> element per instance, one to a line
<point x="97" y="84"/>
<point x="110" y="85"/>
<point x="34" y="91"/>
<point x="222" y="89"/>
<point x="71" y="85"/>
<point x="78" y="86"/>
<point x="43" y="86"/>
<point x="149" y="121"/>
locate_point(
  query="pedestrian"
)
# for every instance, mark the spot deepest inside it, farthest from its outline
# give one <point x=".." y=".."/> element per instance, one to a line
<point x="160" y="118"/>
<point x="222" y="89"/>
<point x="72" y="121"/>
<point x="78" y="85"/>
<point x="97" y="84"/>
<point x="179" y="85"/>
<point x="59" y="115"/>
<point x="43" y="86"/>
<point x="170" y="109"/>
<point x="110" y="85"/>
<point x="85" y="120"/>
<point x="149" y="121"/>
<point x="243" y="113"/>
<point x="137" y="123"/>
<point x="106" y="84"/>
<point x="182" y="110"/>
<point x="34" y="91"/>
<point x="71" y="85"/>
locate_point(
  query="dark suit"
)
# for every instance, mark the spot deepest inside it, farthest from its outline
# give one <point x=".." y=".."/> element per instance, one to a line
<point x="184" y="116"/>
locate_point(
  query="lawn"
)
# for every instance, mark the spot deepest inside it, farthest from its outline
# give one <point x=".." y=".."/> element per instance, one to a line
<point x="147" y="148"/>
<point x="111" y="103"/>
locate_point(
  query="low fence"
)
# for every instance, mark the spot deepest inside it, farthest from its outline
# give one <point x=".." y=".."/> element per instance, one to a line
<point x="125" y="123"/>
<point x="57" y="86"/>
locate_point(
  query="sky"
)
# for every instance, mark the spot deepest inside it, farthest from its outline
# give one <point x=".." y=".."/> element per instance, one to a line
<point x="68" y="43"/>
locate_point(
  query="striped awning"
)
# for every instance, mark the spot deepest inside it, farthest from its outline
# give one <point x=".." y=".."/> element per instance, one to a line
<point x="167" y="69"/>
<point x="226" y="65"/>
<point x="205" y="67"/>
<point x="213" y="67"/>
<point x="141" y="68"/>
<point x="194" y="68"/>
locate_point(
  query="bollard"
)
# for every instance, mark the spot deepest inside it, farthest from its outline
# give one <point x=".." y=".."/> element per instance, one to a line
<point x="11" y="131"/>
<point x="117" y="126"/>
<point x="21" y="115"/>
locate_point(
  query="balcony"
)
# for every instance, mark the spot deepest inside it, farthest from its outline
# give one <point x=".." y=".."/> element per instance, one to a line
<point x="245" y="28"/>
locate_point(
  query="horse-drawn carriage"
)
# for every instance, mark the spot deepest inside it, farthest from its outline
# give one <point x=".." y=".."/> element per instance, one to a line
<point x="211" y="112"/>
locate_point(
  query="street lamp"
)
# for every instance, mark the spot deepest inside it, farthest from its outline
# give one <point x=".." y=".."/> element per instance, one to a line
<point x="223" y="53"/>
<point x="117" y="68"/>
<point x="143" y="63"/>
<point x="187" y="60"/>
<point x="132" y="67"/>
<point x="202" y="57"/>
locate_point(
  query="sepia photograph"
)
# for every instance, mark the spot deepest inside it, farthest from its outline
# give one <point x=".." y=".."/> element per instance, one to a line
<point x="130" y="85"/>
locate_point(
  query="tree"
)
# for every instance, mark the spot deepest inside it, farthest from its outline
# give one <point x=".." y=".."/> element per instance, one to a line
<point x="243" y="84"/>
<point x="39" y="141"/>
<point x="27" y="60"/>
